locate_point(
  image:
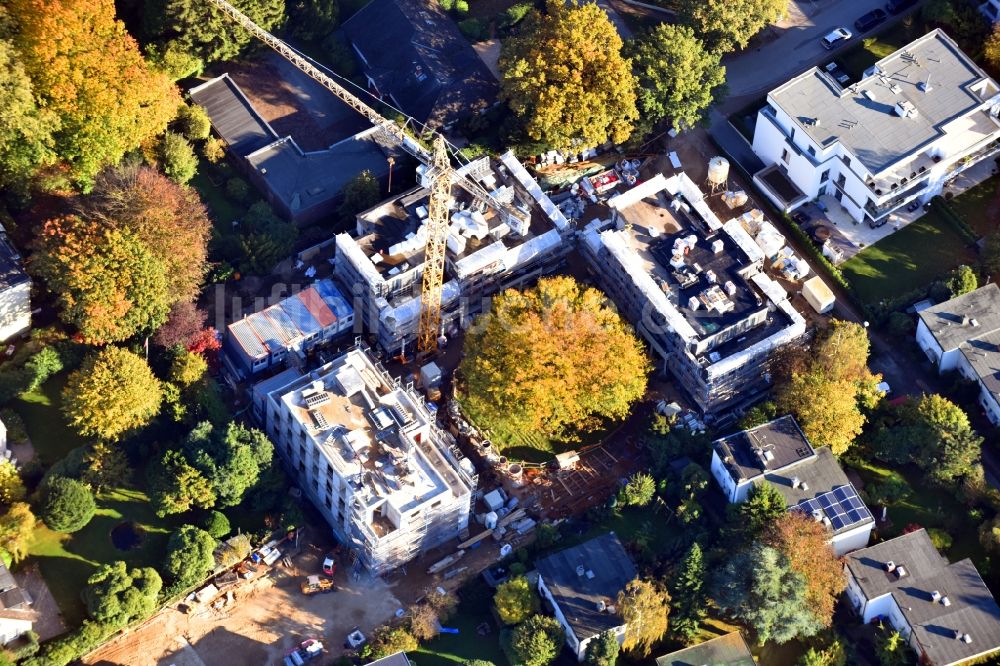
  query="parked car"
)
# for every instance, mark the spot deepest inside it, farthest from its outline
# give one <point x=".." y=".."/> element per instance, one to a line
<point x="329" y="565"/>
<point x="870" y="20"/>
<point x="875" y="224"/>
<point x="898" y="6"/>
<point x="835" y="37"/>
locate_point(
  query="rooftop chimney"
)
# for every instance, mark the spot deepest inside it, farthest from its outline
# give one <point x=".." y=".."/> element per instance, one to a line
<point x="890" y="566"/>
<point x="945" y="601"/>
<point x="796" y="482"/>
<point x="935" y="596"/>
<point x="900" y="571"/>
<point x="966" y="638"/>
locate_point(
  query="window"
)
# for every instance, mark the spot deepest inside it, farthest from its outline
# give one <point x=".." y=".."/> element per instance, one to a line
<point x="812" y="151"/>
<point x="784" y="155"/>
<point x="825" y="176"/>
<point x="793" y="134"/>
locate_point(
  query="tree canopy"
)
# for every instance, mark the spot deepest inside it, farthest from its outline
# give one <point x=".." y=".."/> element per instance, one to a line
<point x="67" y="505"/>
<point x="564" y="76"/>
<point x="114" y="391"/>
<point x="537" y="640"/>
<point x="109" y="285"/>
<point x="359" y="194"/>
<point x="730" y="24"/>
<point x="176" y="486"/>
<point x="519" y="378"/>
<point x="644" y="607"/>
<point x="88" y="71"/>
<point x="200" y="29"/>
<point x="677" y="77"/>
<point x="603" y="649"/>
<point x="388" y="641"/>
<point x="962" y="280"/>
<point x="515" y="600"/>
<point x="189" y="555"/>
<point x="17" y="529"/>
<point x="764" y="505"/>
<point x="117" y="595"/>
<point x="687" y="592"/>
<point x="169" y="220"/>
<point x="26" y="142"/>
<point x="639" y="490"/>
<point x="827" y="389"/>
<point x="757" y="586"/>
<point x="11" y="486"/>
<point x="805" y="544"/>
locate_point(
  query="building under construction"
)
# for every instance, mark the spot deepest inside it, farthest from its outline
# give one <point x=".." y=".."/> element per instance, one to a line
<point x="695" y="288"/>
<point x="383" y="263"/>
<point x="366" y="450"/>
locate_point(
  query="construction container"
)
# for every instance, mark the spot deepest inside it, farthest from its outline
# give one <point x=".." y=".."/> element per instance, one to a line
<point x="818" y="295"/>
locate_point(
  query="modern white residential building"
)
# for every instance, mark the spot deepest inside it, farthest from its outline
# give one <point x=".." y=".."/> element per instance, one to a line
<point x="582" y="585"/>
<point x="916" y="118"/>
<point x="945" y="611"/>
<point x="963" y="334"/>
<point x="811" y="480"/>
<point x="16" y="615"/>
<point x="367" y="451"/>
<point x="382" y="265"/>
<point x="694" y="287"/>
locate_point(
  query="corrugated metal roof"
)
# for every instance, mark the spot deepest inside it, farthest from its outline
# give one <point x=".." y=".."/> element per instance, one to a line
<point x="334" y="299"/>
<point x="300" y="313"/>
<point x="283" y="324"/>
<point x="232" y="115"/>
<point x="265" y="331"/>
<point x="313" y="302"/>
<point x="243" y="333"/>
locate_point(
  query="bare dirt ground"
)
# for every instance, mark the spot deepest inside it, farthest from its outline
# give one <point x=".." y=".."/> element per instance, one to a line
<point x="276" y="102"/>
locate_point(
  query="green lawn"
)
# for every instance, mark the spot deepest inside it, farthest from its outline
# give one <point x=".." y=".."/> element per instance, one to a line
<point x="452" y="649"/>
<point x="223" y="209"/>
<point x="67" y="560"/>
<point x="979" y="206"/>
<point x="46" y="427"/>
<point x="907" y="259"/>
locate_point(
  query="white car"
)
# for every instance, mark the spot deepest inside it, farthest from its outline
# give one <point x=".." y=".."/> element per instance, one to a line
<point x="835" y="37"/>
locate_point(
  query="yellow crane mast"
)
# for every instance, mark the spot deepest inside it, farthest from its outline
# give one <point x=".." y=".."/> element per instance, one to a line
<point x="437" y="237"/>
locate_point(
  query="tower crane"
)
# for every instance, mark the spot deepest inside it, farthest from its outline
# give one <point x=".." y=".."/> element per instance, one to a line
<point x="440" y="173"/>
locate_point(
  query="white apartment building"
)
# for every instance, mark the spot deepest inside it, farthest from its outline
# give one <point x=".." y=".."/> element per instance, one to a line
<point x="916" y="118"/>
<point x="963" y="334"/>
<point x="367" y="452"/>
<point x="15" y="292"/>
<point x="382" y="264"/>
<point x="811" y="480"/>
<point x="694" y="287"/>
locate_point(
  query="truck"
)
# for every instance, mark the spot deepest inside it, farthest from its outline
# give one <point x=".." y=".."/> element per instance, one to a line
<point x="316" y="584"/>
<point x="308" y="650"/>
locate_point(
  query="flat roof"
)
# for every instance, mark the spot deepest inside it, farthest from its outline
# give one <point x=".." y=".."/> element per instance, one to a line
<point x="862" y="117"/>
<point x="582" y="577"/>
<point x="781" y="441"/>
<point x="964" y="317"/>
<point x="728" y="650"/>
<point x="971" y="609"/>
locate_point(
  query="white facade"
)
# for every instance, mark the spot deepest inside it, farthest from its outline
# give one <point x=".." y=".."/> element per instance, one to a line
<point x="577" y="644"/>
<point x="13" y="628"/>
<point x="368" y="453"/>
<point x="870" y="182"/>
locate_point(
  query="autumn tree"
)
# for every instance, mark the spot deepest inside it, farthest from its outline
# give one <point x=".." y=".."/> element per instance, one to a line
<point x="387" y="641"/>
<point x="827" y="388"/>
<point x="117" y="595"/>
<point x="177" y="486"/>
<point x="603" y="649"/>
<point x="805" y="544"/>
<point x="104" y="466"/>
<point x="187" y="367"/>
<point x="109" y="285"/>
<point x="184" y="322"/>
<point x="832" y="655"/>
<point x="677" y="77"/>
<point x="892" y="649"/>
<point x="991" y="48"/>
<point x="517" y="374"/>
<point x="66" y="505"/>
<point x="515" y="601"/>
<point x="730" y="24"/>
<point x="564" y="76"/>
<point x="114" y="391"/>
<point x="193" y="122"/>
<point x="757" y="586"/>
<point x="17" y="529"/>
<point x="189" y="555"/>
<point x="89" y="73"/>
<point x="537" y="640"/>
<point x="689" y="599"/>
<point x="11" y="486"/>
<point x="168" y="219"/>
<point x="201" y="29"/>
<point x="644" y="607"/>
<point x="26" y="142"/>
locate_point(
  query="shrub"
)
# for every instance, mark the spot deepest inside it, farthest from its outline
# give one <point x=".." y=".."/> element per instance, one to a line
<point x="193" y="122"/>
<point x="216" y="524"/>
<point x="41" y="366"/>
<point x="516" y="13"/>
<point x="214" y="150"/>
<point x="940" y="538"/>
<point x="537" y="641"/>
<point x="462" y="7"/>
<point x="900" y="324"/>
<point x="639" y="490"/>
<point x="387" y="641"/>
<point x="447" y="5"/>
<point x="237" y="189"/>
<point x="177" y="158"/>
<point x="189" y="555"/>
<point x="515" y="600"/>
<point x="473" y="29"/>
<point x="67" y="505"/>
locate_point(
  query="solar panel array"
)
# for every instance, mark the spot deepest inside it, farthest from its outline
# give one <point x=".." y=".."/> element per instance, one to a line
<point x="841" y="506"/>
